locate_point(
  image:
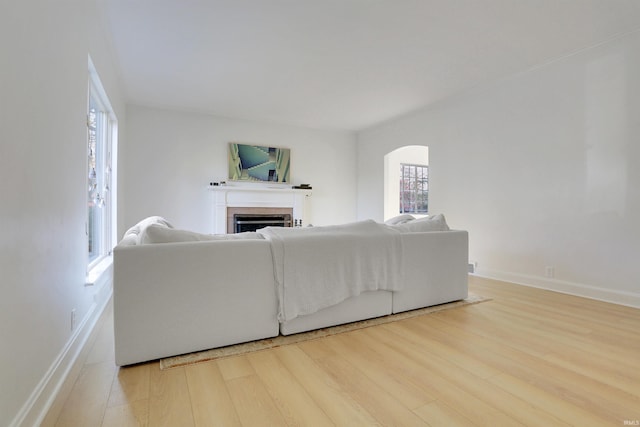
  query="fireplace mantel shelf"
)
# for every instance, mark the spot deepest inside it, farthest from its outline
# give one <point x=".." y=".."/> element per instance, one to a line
<point x="268" y="189"/>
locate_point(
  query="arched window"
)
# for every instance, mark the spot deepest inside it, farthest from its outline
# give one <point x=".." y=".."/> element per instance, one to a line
<point x="406" y="188"/>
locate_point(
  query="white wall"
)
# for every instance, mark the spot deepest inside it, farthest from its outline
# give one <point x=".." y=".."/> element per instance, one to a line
<point x="540" y="168"/>
<point x="171" y="157"/>
<point x="43" y="101"/>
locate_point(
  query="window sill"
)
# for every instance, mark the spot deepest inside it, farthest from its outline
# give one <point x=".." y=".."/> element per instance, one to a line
<point x="100" y="272"/>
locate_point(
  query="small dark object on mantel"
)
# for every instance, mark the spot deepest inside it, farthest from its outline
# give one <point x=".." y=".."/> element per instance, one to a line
<point x="302" y="187"/>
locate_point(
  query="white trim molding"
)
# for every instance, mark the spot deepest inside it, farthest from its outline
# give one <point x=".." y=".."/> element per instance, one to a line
<point x="43" y="396"/>
<point x="629" y="299"/>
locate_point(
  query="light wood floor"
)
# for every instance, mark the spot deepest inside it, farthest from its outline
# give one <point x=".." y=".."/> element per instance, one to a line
<point x="528" y="357"/>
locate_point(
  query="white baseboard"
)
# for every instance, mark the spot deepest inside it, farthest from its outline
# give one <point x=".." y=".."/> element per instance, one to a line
<point x="36" y="407"/>
<point x="630" y="299"/>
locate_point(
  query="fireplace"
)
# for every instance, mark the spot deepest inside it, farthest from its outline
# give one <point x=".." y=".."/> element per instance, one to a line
<point x="253" y="222"/>
<point x="274" y="203"/>
<point x="240" y="219"/>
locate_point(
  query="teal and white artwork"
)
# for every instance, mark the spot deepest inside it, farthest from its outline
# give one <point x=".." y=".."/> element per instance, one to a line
<point x="258" y="163"/>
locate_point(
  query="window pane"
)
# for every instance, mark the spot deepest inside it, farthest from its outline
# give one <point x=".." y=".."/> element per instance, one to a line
<point x="93" y="173"/>
<point x="101" y="134"/>
<point x="414" y="188"/>
<point x="98" y="180"/>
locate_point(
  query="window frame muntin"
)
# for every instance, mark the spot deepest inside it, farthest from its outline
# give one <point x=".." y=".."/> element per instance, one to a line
<point x="415" y="190"/>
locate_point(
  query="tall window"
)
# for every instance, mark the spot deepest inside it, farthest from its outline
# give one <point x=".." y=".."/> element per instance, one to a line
<point x="414" y="188"/>
<point x="101" y="125"/>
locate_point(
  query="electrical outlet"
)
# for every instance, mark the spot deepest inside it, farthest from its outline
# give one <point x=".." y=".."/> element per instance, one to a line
<point x="73" y="319"/>
<point x="473" y="266"/>
<point x="549" y="271"/>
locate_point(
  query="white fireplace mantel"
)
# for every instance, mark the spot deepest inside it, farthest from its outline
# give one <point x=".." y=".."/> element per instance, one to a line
<point x="238" y="196"/>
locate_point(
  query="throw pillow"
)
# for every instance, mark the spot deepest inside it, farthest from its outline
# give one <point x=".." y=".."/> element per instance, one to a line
<point x="140" y="226"/>
<point x="400" y="219"/>
<point x="431" y="223"/>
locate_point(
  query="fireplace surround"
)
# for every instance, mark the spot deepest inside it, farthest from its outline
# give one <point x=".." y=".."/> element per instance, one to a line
<point x="253" y="222"/>
<point x="233" y="199"/>
<point x="250" y="218"/>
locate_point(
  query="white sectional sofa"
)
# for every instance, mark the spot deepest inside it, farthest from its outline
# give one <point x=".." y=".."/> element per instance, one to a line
<point x="187" y="292"/>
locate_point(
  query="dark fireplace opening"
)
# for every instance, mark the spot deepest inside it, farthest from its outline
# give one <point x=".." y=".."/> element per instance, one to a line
<point x="253" y="222"/>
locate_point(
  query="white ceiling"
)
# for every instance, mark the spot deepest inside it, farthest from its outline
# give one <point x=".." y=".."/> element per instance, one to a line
<point x="340" y="64"/>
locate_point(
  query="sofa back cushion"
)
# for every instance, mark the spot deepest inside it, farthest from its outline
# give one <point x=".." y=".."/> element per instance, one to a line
<point x="157" y="233"/>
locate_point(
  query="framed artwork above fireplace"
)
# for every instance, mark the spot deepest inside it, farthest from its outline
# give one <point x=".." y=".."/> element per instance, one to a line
<point x="257" y="163"/>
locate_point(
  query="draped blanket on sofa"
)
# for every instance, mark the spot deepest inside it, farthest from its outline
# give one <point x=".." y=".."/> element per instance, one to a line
<point x="317" y="267"/>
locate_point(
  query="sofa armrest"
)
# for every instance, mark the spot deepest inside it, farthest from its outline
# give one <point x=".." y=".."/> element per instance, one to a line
<point x="435" y="269"/>
<point x="177" y="298"/>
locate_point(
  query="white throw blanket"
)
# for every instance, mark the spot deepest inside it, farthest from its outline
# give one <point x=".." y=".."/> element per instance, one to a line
<point x="317" y="267"/>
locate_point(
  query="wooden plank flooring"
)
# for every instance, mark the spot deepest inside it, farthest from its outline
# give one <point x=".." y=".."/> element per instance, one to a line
<point x="527" y="358"/>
